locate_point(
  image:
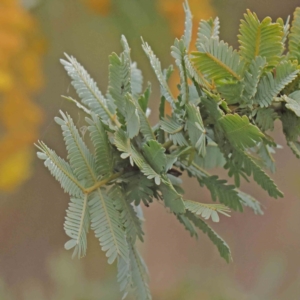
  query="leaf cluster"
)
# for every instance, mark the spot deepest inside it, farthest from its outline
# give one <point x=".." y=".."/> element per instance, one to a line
<point x="228" y="101"/>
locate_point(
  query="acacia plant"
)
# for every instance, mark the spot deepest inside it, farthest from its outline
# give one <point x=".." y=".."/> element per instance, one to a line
<point x="228" y="101"/>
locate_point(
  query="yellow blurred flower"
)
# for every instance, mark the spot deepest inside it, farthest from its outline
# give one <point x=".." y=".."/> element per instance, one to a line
<point x="21" y="48"/>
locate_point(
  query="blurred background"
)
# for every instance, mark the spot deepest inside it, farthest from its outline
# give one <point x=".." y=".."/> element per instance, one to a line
<point x="34" y="34"/>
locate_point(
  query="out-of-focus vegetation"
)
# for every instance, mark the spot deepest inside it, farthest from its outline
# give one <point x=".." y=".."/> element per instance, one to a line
<point x="21" y="47"/>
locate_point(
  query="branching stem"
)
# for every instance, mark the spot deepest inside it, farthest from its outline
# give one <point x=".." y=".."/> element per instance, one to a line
<point x="102" y="182"/>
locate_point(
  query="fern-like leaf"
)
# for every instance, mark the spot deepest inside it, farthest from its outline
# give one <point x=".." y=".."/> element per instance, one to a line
<point x="139" y="275"/>
<point x="131" y="222"/>
<point x="61" y="170"/>
<point x="155" y="63"/>
<point x="188" y="225"/>
<point x="77" y="224"/>
<point x="136" y="80"/>
<point x="206" y="211"/>
<point x="260" y="39"/>
<point x="218" y="61"/>
<point x="250" y="202"/>
<point x="88" y="91"/>
<point x="213" y="236"/>
<point x="295" y="147"/>
<point x="294" y="36"/>
<point x="251" y="78"/>
<point x="178" y="51"/>
<point x="107" y="225"/>
<point x="270" y="85"/>
<point x="242" y="159"/>
<point x="81" y="160"/>
<point x="293" y="102"/>
<point x="239" y="131"/>
<point x="188" y="25"/>
<point x="103" y="149"/>
<point x="196" y="130"/>
<point x="265" y="118"/>
<point x="207" y="30"/>
<point x="119" y="80"/>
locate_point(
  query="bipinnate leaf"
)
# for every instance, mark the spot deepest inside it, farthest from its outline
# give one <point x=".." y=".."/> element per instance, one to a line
<point x="61" y="170"/>
<point x="76" y="225"/>
<point x="81" y="159"/>
<point x="107" y="225"/>
<point x="207" y="211"/>
<point x="260" y="39"/>
<point x="155" y="155"/>
<point x="88" y="91"/>
<point x="207" y="30"/>
<point x="213" y="236"/>
<point x="103" y="150"/>
<point x="188" y="25"/>
<point x="294" y="36"/>
<point x="218" y="61"/>
<point x="239" y="131"/>
<point x="273" y="82"/>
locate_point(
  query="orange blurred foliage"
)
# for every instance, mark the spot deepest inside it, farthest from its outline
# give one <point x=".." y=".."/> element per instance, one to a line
<point x="21" y="48"/>
<point x="101" y="7"/>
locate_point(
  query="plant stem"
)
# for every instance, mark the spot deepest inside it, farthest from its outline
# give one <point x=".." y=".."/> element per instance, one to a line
<point x="102" y="182"/>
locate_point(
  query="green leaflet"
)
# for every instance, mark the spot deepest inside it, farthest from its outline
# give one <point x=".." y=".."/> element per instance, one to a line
<point x="188" y="25"/>
<point x="290" y="125"/>
<point x="239" y="131"/>
<point x="264" y="151"/>
<point x="144" y="98"/>
<point x="138" y="189"/>
<point x="294" y="36"/>
<point x="172" y="199"/>
<point x="131" y="117"/>
<point x="250" y="202"/>
<point x="61" y="170"/>
<point x="155" y="63"/>
<point x="119" y="80"/>
<point x="139" y="275"/>
<point x="207" y="30"/>
<point x="293" y="102"/>
<point x="136" y="80"/>
<point x="260" y="39"/>
<point x="218" y="61"/>
<point x="106" y="223"/>
<point x="130" y="220"/>
<point x="214" y="237"/>
<point x="155" y="155"/>
<point x="213" y="158"/>
<point x="271" y="84"/>
<point x="104" y="157"/>
<point x="206" y="211"/>
<point x="196" y="130"/>
<point x="295" y="147"/>
<point x="251" y="78"/>
<point x="81" y="160"/>
<point x="187" y="224"/>
<point x="124" y="276"/>
<point x="243" y="161"/>
<point x="219" y="189"/>
<point x="178" y="51"/>
<point x="76" y="225"/>
<point x="222" y="191"/>
<point x="88" y="91"/>
<point x="265" y="118"/>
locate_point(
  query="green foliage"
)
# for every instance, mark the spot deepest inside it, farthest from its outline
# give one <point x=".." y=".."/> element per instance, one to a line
<point x="228" y="101"/>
